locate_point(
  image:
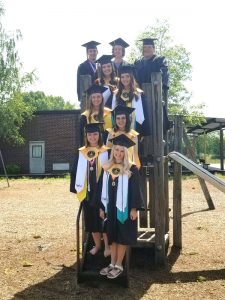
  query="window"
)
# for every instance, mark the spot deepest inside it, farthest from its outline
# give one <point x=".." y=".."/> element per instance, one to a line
<point x="36" y="151"/>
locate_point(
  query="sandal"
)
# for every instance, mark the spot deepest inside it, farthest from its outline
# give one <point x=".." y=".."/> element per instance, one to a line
<point x="115" y="272"/>
<point x="105" y="271"/>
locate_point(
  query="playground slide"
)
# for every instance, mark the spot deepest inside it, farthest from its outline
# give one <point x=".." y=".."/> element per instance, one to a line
<point x="198" y="170"/>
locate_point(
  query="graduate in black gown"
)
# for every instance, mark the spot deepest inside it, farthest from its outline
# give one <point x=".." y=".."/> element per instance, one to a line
<point x="84" y="182"/>
<point x="129" y="94"/>
<point x="118" y="51"/>
<point x="88" y="67"/>
<point x="122" y="125"/>
<point x="96" y="111"/>
<point x="120" y="199"/>
<point x="153" y="63"/>
<point x="106" y="77"/>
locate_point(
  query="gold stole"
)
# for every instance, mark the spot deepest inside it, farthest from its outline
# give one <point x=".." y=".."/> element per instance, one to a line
<point x="106" y="116"/>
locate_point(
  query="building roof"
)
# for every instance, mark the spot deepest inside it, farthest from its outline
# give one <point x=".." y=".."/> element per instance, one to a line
<point x="211" y="124"/>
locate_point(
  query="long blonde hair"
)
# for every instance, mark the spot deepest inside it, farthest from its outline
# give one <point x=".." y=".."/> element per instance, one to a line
<point x="125" y="164"/>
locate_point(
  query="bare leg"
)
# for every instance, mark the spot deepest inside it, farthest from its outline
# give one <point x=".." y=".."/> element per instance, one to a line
<point x="107" y="251"/>
<point x="113" y="249"/>
<point x="121" y="250"/>
<point x="97" y="240"/>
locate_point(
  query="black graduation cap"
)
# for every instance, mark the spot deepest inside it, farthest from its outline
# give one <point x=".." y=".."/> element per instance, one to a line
<point x="94" y="127"/>
<point x="126" y="69"/>
<point x="91" y="45"/>
<point x="119" y="42"/>
<point x="122" y="109"/>
<point x="148" y="41"/>
<point x="105" y="59"/>
<point x="122" y="140"/>
<point x="96" y="89"/>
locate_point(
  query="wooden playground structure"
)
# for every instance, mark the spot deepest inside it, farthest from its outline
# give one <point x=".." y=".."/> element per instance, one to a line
<point x="153" y="223"/>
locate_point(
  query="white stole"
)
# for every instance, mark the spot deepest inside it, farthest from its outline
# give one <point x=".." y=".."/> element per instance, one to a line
<point x="81" y="173"/>
<point x="106" y="94"/>
<point x="82" y="169"/>
<point x="137" y="104"/>
<point x="139" y="113"/>
<point x="122" y="191"/>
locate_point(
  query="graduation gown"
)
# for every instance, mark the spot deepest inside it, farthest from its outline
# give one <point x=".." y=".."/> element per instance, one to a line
<point x="144" y="128"/>
<point x="117" y="232"/>
<point x="86" y="68"/>
<point x="92" y="220"/>
<point x="144" y="69"/>
<point x="133" y="151"/>
<point x="117" y="67"/>
<point x="84" y="119"/>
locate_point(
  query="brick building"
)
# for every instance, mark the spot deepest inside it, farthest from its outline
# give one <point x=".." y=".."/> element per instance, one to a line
<point x="51" y="139"/>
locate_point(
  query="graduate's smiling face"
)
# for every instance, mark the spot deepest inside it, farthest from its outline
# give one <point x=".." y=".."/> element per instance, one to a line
<point x="107" y="69"/>
<point x="118" y="153"/>
<point x="121" y="121"/>
<point x="96" y="99"/>
<point x="92" y="54"/>
<point x="93" y="138"/>
<point x="118" y="51"/>
<point x="125" y="79"/>
<point x="148" y="51"/>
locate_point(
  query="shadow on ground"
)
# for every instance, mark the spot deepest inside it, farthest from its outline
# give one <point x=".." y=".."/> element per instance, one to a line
<point x="63" y="285"/>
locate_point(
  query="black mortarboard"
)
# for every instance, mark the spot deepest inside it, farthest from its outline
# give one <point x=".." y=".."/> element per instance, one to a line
<point x="126" y="69"/>
<point x="148" y="41"/>
<point x="96" y="89"/>
<point x="122" y="140"/>
<point x="104" y="59"/>
<point x="91" y="45"/>
<point x="119" y="42"/>
<point x="93" y="127"/>
<point x="122" y="109"/>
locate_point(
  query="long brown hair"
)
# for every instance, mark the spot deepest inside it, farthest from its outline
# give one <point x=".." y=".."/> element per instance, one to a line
<point x="100" y="115"/>
<point x="133" y="88"/>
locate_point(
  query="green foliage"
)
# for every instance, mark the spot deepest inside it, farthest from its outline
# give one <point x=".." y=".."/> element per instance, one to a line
<point x="13" y="110"/>
<point x="209" y="144"/>
<point x="180" y="69"/>
<point x="13" y="169"/>
<point x="42" y="102"/>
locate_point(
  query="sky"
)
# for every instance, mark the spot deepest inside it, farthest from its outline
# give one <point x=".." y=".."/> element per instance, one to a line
<point x="54" y="30"/>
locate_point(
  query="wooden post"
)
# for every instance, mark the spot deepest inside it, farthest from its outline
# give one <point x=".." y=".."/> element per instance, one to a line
<point x="7" y="179"/>
<point x="148" y="151"/>
<point x="221" y="149"/>
<point x="177" y="187"/>
<point x="201" y="181"/>
<point x="158" y="151"/>
<point x="85" y="83"/>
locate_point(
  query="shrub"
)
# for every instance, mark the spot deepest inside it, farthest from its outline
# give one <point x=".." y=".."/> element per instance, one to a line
<point x="13" y="169"/>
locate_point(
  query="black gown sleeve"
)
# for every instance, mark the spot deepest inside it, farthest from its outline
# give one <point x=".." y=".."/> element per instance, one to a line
<point x="73" y="172"/>
<point x="78" y="83"/>
<point x="83" y="122"/>
<point x="145" y="127"/>
<point x="136" y="198"/>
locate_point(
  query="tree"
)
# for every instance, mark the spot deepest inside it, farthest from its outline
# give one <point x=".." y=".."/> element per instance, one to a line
<point x="13" y="109"/>
<point x="179" y="68"/>
<point x="42" y="102"/>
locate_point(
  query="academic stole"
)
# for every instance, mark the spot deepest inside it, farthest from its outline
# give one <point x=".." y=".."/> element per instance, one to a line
<point x="81" y="184"/>
<point x="107" y="117"/>
<point x="121" y="195"/>
<point x="138" y="114"/>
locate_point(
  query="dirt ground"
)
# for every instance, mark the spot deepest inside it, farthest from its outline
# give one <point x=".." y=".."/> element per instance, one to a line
<point x="38" y="247"/>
